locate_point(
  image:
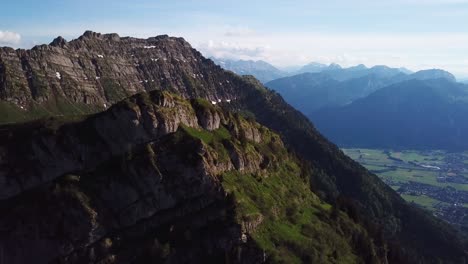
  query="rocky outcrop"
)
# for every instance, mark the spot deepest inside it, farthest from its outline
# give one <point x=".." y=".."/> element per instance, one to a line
<point x="51" y="152"/>
<point x="124" y="184"/>
<point x="93" y="72"/>
<point x="100" y="69"/>
<point x="152" y="199"/>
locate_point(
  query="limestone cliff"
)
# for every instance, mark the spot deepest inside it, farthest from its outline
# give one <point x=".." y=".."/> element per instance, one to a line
<point x="95" y="70"/>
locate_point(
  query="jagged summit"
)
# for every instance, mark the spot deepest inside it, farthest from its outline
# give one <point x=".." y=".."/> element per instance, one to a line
<point x="97" y="70"/>
<point x="58" y="42"/>
<point x="115" y="37"/>
<point x="91" y="34"/>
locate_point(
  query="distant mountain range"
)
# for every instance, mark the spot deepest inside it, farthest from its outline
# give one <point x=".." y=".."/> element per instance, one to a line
<point x="309" y="92"/>
<point x="416" y="114"/>
<point x="318" y="67"/>
<point x="382" y="107"/>
<point x="266" y="72"/>
<point x="379" y="107"/>
<point x="262" y="70"/>
<point x="144" y="151"/>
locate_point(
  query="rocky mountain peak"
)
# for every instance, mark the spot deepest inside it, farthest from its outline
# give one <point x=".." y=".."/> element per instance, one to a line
<point x="90" y="34"/>
<point x="58" y="42"/>
<point x="95" y="35"/>
<point x="96" y="70"/>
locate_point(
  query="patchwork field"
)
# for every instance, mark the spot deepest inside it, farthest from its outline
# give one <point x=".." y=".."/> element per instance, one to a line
<point x="435" y="180"/>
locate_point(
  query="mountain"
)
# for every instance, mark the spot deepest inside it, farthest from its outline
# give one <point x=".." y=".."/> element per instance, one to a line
<point x="290" y="69"/>
<point x="361" y="71"/>
<point x="201" y="165"/>
<point x="413" y="114"/>
<point x="358" y="70"/>
<point x="177" y="183"/>
<point x="315" y="67"/>
<point x="433" y="74"/>
<point x="405" y="71"/>
<point x="262" y="70"/>
<point x="310" y="92"/>
<point x="88" y="74"/>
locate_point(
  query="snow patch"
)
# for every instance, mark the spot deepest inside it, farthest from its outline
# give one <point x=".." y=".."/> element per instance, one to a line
<point x="149" y="47"/>
<point x="58" y="75"/>
<point x="100" y="56"/>
<point x="213" y="102"/>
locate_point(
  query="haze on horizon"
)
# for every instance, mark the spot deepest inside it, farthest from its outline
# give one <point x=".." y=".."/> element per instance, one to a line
<point x="412" y="34"/>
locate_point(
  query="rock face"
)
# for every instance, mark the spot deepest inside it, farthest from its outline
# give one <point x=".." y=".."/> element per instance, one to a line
<point x="80" y="146"/>
<point x="98" y="70"/>
<point x="151" y="180"/>
<point x="127" y="182"/>
<point x="148" y="178"/>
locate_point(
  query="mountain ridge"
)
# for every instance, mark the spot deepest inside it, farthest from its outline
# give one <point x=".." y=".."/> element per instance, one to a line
<point x="311" y="91"/>
<point x="83" y="71"/>
<point x="262" y="70"/>
<point x="415" y="114"/>
<point x="161" y="130"/>
<point x="406" y="234"/>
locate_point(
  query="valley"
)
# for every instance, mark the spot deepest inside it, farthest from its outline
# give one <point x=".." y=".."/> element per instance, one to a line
<point x="237" y="132"/>
<point x="435" y="180"/>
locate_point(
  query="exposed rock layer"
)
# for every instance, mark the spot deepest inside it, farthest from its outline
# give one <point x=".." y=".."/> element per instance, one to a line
<point x="101" y="69"/>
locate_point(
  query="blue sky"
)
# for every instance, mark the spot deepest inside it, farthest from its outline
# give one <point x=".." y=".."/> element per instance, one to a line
<point x="416" y="34"/>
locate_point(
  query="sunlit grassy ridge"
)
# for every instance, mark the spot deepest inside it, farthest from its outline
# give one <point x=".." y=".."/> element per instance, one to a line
<point x="277" y="207"/>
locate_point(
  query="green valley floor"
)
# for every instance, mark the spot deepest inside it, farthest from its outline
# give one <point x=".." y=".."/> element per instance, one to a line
<point x="435" y="180"/>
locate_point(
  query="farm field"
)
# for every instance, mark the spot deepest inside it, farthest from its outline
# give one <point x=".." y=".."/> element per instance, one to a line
<point x="434" y="180"/>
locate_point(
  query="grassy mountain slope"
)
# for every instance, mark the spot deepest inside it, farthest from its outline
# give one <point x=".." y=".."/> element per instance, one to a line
<point x="400" y="232"/>
<point x="222" y="191"/>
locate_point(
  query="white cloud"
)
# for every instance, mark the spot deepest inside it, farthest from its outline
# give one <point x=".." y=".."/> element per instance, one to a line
<point x="9" y="38"/>
<point x="412" y="50"/>
<point x="232" y="50"/>
<point x="415" y="51"/>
